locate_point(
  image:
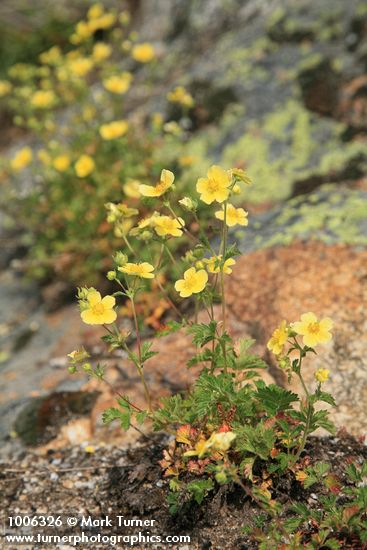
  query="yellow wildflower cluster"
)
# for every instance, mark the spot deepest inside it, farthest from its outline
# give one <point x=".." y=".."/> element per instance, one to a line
<point x="5" y="88"/>
<point x="22" y="159"/>
<point x="118" y="84"/>
<point x="84" y="166"/>
<point x="312" y="330"/>
<point x="61" y="163"/>
<point x="42" y="99"/>
<point x="181" y="96"/>
<point x="143" y="53"/>
<point x="114" y="130"/>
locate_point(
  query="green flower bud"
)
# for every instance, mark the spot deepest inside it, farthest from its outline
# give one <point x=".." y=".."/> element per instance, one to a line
<point x="221" y="478"/>
<point x="111" y="275"/>
<point x="120" y="259"/>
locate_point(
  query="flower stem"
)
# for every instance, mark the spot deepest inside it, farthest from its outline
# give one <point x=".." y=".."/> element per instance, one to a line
<point x="222" y="289"/>
<point x="139" y="364"/>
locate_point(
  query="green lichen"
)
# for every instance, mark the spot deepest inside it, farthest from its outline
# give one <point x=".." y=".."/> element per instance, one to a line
<point x="331" y="215"/>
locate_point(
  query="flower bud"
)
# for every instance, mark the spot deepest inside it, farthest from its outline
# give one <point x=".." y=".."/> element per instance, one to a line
<point x="120" y="259"/>
<point x="188" y="204"/>
<point x="111" y="275"/>
<point x="221" y="478"/>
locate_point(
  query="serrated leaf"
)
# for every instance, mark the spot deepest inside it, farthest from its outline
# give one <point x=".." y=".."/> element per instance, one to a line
<point x="203" y="333"/>
<point x="141" y="416"/>
<point x="146" y="353"/>
<point x="199" y="489"/>
<point x="274" y="399"/>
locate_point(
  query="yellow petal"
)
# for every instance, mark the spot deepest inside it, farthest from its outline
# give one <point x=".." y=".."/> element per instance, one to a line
<point x="167" y="177"/>
<point x="109" y="302"/>
<point x="90" y="318"/>
<point x="109" y="316"/>
<point x="94" y="297"/>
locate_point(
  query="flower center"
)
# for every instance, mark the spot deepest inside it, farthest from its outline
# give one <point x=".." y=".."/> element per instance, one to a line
<point x="98" y="309"/>
<point x="190" y="281"/>
<point x="313" y="327"/>
<point x="160" y="187"/>
<point x="213" y="185"/>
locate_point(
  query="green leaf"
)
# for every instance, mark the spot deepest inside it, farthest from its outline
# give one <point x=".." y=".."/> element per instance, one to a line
<point x="115" y="414"/>
<point x="274" y="399"/>
<point x="326" y="397"/>
<point x="203" y="357"/>
<point x="232" y="251"/>
<point x="321" y="419"/>
<point x="258" y="440"/>
<point x="173" y="502"/>
<point x="250" y="362"/>
<point x="200" y="488"/>
<point x="141" y="416"/>
<point x="203" y="333"/>
<point x="146" y="353"/>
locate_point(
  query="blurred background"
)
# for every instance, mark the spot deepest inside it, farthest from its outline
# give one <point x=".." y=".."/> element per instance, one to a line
<point x="276" y="87"/>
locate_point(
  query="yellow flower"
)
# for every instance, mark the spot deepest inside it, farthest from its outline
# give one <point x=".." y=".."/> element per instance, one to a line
<point x="99" y="311"/>
<point x="5" y="87"/>
<point x="61" y="163"/>
<point x="217" y="441"/>
<point x="234" y="216"/>
<point x="301" y="476"/>
<point x="313" y="331"/>
<point x="131" y="189"/>
<point x="101" y="51"/>
<point x="143" y="52"/>
<point x="114" y="129"/>
<point x="43" y="99"/>
<point x="118" y="84"/>
<point x="212" y="264"/>
<point x="78" y="355"/>
<point x="96" y="10"/>
<point x="215" y="186"/>
<point x="142" y="269"/>
<point x="119" y="211"/>
<point x="221" y="441"/>
<point x="165" y="225"/>
<point x="21" y="159"/>
<point x="181" y="96"/>
<point x="322" y="375"/>
<point x="50" y="56"/>
<point x="84" y="166"/>
<point x="148" y="222"/>
<point x="80" y="66"/>
<point x="192" y="283"/>
<point x="165" y="182"/>
<point x="104" y="22"/>
<point x="82" y="32"/>
<point x="278" y="339"/>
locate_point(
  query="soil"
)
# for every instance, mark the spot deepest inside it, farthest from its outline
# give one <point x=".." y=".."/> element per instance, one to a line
<point x="110" y="481"/>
